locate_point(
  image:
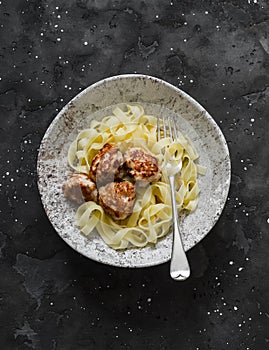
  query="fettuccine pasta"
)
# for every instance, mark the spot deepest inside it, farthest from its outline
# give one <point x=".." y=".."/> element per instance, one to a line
<point x="152" y="212"/>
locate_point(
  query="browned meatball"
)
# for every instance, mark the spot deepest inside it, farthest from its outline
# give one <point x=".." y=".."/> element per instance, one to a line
<point x="117" y="199"/>
<point x="141" y="165"/>
<point x="80" y="188"/>
<point x="106" y="165"/>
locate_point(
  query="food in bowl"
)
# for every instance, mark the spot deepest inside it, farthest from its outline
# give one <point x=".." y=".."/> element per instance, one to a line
<point x="119" y="175"/>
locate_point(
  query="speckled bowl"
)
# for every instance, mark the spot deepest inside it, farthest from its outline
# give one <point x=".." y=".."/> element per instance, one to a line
<point x="157" y="97"/>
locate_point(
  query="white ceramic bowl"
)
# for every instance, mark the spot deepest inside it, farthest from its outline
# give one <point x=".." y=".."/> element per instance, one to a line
<point x="157" y="97"/>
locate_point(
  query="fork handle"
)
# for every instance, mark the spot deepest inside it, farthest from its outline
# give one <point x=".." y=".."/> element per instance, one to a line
<point x="179" y="266"/>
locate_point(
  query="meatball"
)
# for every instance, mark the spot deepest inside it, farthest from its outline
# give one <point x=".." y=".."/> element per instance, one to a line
<point x="106" y="165"/>
<point x="141" y="166"/>
<point x="117" y="199"/>
<point x="80" y="188"/>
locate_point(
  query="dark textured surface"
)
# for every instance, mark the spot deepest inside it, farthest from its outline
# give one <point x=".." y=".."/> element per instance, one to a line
<point x="53" y="298"/>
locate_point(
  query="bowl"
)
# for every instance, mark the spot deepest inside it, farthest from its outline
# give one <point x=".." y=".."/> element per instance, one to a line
<point x="158" y="98"/>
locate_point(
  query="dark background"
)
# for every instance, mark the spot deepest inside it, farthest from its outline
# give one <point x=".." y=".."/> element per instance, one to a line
<point x="53" y="298"/>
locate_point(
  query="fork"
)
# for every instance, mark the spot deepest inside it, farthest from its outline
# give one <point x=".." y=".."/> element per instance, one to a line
<point x="179" y="266"/>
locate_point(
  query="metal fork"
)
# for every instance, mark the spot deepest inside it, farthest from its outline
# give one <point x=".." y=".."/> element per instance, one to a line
<point x="179" y="266"/>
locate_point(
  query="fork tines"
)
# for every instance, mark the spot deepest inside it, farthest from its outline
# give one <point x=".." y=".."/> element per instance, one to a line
<point x="167" y="128"/>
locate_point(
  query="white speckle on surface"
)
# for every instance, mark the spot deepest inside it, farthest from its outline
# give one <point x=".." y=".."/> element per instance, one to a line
<point x="240" y="269"/>
<point x="157" y="16"/>
<point x="231" y="262"/>
<point x="85" y="43"/>
<point x="206" y="12"/>
<point x="252" y="120"/>
<point x="58" y="39"/>
<point x="184" y="40"/>
<point x="235" y="308"/>
<point x="149" y="300"/>
<point x="268" y="221"/>
<point x="56" y="25"/>
<point x="191" y="81"/>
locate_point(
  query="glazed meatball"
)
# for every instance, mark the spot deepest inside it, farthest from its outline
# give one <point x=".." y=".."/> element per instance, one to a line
<point x="141" y="166"/>
<point x="117" y="199"/>
<point x="79" y="188"/>
<point x="106" y="165"/>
